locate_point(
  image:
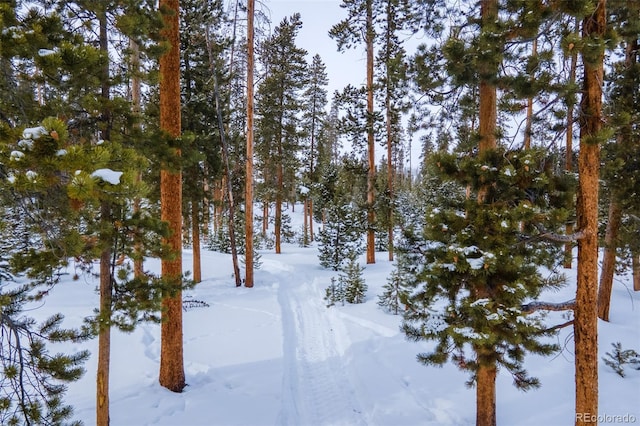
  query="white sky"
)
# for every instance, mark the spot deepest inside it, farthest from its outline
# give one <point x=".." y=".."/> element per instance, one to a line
<point x="318" y="16"/>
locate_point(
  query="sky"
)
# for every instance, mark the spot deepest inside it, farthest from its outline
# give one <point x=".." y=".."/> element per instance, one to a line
<point x="318" y="16"/>
<point x="276" y="355"/>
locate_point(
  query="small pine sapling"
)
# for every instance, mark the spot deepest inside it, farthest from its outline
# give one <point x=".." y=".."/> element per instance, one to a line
<point x="334" y="293"/>
<point x="618" y="358"/>
<point x="355" y="288"/>
<point x="394" y="293"/>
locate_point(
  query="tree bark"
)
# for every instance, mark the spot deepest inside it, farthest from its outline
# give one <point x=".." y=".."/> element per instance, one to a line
<point x="486" y="374"/>
<point x="104" y="316"/>
<point x="586" y="319"/>
<point x="371" y="174"/>
<point x="104" y="324"/>
<point x="305" y="226"/>
<point x="248" y="194"/>
<point x="171" y="346"/>
<point x="311" y="237"/>
<point x="636" y="270"/>
<point x="609" y="259"/>
<point x="195" y="239"/>
<point x="486" y="395"/>
<point x="277" y="228"/>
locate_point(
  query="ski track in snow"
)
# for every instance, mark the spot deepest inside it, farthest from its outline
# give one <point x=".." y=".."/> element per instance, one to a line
<point x="316" y="390"/>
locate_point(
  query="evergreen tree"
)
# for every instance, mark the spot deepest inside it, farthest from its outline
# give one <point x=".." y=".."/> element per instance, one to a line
<point x="396" y="289"/>
<point x="481" y="260"/>
<point x="314" y="117"/>
<point x="357" y="28"/>
<point x="620" y="173"/>
<point x="341" y="236"/>
<point x="355" y="288"/>
<point x="335" y="292"/>
<point x="278" y="105"/>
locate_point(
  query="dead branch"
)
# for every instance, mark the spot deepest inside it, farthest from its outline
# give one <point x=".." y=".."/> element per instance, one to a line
<point x="551" y="236"/>
<point x="563" y="325"/>
<point x="569" y="305"/>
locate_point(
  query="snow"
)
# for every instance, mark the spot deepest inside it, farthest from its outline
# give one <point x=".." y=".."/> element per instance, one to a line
<point x="275" y="355"/>
<point x="33" y="132"/>
<point x="107" y="175"/>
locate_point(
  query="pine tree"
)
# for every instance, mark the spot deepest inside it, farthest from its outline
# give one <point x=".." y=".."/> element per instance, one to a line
<point x="359" y="27"/>
<point x="278" y="105"/>
<point x="394" y="293"/>
<point x="341" y="236"/>
<point x="484" y="263"/>
<point x="314" y="116"/>
<point x="620" y="172"/>
<point x="335" y="292"/>
<point x="355" y="288"/>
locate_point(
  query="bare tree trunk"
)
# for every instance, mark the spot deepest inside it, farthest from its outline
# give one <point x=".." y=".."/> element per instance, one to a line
<point x="486" y="395"/>
<point x="636" y="270"/>
<point x="305" y="226"/>
<point x="371" y="147"/>
<point x="311" y="237"/>
<point x="586" y="318"/>
<point x="568" y="248"/>
<point x="218" y="202"/>
<point x="171" y="347"/>
<point x="227" y="168"/>
<point x="104" y="327"/>
<point x="278" y="216"/>
<point x="609" y="259"/>
<point x="195" y="239"/>
<point x="248" y="194"/>
<point x="104" y="334"/>
<point x="265" y="218"/>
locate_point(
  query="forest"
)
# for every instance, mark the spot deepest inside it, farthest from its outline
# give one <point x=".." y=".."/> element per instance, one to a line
<point x="131" y="130"/>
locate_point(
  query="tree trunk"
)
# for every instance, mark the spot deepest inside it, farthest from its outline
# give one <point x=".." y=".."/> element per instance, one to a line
<point x="104" y="318"/>
<point x="486" y="395"/>
<point x="171" y="347"/>
<point x="486" y="374"/>
<point x="227" y="167"/>
<point x="306" y="222"/>
<point x="248" y="194"/>
<point x="195" y="240"/>
<point x="586" y="318"/>
<point x="568" y="248"/>
<point x="371" y="147"/>
<point x="609" y="259"/>
<point x="265" y="218"/>
<point x="311" y="237"/>
<point x="278" y="217"/>
<point x="636" y="270"/>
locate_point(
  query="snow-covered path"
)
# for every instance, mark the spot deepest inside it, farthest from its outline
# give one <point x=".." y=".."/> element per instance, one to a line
<point x="316" y="390"/>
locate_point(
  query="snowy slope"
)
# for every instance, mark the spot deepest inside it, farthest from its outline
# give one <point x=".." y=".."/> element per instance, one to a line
<point x="275" y="355"/>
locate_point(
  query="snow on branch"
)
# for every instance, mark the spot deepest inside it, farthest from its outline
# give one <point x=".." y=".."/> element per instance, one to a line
<point x="569" y="305"/>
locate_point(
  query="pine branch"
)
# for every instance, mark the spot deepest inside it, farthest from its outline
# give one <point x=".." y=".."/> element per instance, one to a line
<point x="569" y="305"/>
<point x="551" y="236"/>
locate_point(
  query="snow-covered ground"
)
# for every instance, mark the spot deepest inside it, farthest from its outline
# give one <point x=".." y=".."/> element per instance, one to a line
<point x="276" y="355"/>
